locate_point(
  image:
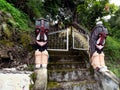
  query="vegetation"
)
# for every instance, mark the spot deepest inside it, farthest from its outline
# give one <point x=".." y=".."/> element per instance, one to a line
<point x="33" y="77"/>
<point x="21" y="18"/>
<point x="114" y="66"/>
<point x="112" y="52"/>
<point x="115" y="25"/>
<point x="112" y="49"/>
<point x="33" y="8"/>
<point x="113" y="43"/>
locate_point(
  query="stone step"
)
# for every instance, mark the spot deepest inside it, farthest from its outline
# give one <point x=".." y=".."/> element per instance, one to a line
<point x="64" y="52"/>
<point x="65" y="75"/>
<point x="69" y="53"/>
<point x="66" y="65"/>
<point x="66" y="61"/>
<point x="65" y="58"/>
<point x="65" y="55"/>
<point x="75" y="85"/>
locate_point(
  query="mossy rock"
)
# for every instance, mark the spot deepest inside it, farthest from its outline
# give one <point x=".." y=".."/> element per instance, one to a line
<point x="53" y="85"/>
<point x="56" y="85"/>
<point x="7" y="43"/>
<point x="11" y="22"/>
<point x="6" y="30"/>
<point x="25" y="39"/>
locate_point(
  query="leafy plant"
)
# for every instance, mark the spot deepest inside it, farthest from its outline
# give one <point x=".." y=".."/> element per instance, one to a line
<point x="112" y="48"/>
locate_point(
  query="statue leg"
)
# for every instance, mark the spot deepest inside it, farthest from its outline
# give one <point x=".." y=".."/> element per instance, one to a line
<point x="41" y="81"/>
<point x="95" y="60"/>
<point x="102" y="63"/>
<point x="45" y="59"/>
<point x="38" y="59"/>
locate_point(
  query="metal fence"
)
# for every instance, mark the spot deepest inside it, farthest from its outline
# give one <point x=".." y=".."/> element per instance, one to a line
<point x="58" y="40"/>
<point x="80" y="40"/>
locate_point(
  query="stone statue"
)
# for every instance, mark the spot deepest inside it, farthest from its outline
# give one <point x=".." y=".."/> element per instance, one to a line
<point x="41" y="53"/>
<point x="97" y="41"/>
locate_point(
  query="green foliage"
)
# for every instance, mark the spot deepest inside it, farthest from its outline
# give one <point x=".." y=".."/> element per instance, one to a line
<point x="52" y="6"/>
<point x="90" y="11"/>
<point x="115" y="69"/>
<point x="115" y="25"/>
<point x="20" y="18"/>
<point x="113" y="42"/>
<point x="112" y="51"/>
<point x="114" y="66"/>
<point x="112" y="48"/>
<point x="64" y="10"/>
<point x="112" y="8"/>
<point x="35" y="8"/>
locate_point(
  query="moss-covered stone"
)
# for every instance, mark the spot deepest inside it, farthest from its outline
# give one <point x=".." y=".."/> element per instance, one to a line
<point x="6" y="30"/>
<point x="25" y="40"/>
<point x="69" y="85"/>
<point x="53" y="85"/>
<point x="11" y="22"/>
<point x="7" y="43"/>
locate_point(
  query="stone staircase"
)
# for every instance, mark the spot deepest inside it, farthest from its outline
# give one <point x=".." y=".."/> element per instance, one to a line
<point x="68" y="70"/>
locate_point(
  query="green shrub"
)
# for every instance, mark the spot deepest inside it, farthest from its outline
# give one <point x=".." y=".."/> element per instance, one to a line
<point x="112" y="48"/>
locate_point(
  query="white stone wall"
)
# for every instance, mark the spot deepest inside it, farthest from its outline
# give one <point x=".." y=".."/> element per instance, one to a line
<point x="14" y="81"/>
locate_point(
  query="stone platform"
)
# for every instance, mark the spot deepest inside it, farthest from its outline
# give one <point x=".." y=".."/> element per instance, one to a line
<point x="14" y="80"/>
